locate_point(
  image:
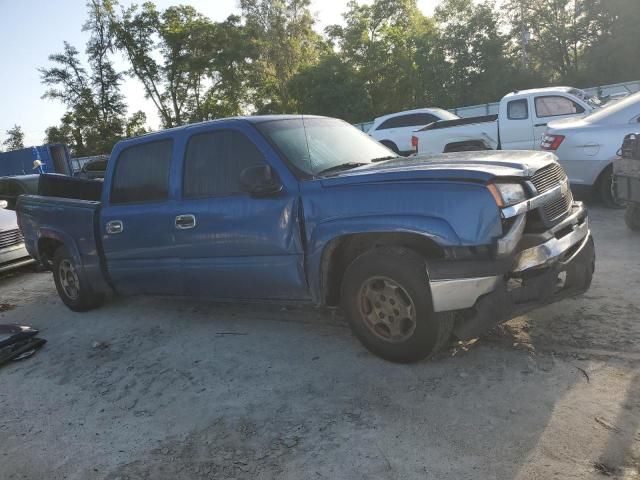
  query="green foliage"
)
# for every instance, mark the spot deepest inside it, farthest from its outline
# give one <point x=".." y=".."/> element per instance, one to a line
<point x="15" y="138"/>
<point x="386" y="56"/>
<point x="283" y="43"/>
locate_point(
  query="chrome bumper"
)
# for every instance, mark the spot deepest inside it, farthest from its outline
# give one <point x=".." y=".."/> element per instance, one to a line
<point x="461" y="293"/>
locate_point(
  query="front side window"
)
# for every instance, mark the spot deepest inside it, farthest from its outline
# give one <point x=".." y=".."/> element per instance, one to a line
<point x="518" y="110"/>
<point x="214" y="160"/>
<point x="142" y="173"/>
<point x="554" y="106"/>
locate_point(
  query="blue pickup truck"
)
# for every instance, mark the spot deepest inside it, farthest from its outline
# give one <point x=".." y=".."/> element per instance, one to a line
<point x="309" y="209"/>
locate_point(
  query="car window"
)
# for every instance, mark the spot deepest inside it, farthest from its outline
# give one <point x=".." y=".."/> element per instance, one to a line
<point x="142" y="173"/>
<point x="553" y="106"/>
<point x="214" y="160"/>
<point x="518" y="109"/>
<point x="409" y="120"/>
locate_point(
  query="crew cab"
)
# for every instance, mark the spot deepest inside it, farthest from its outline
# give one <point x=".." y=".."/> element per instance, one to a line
<point x="396" y="129"/>
<point x="519" y="125"/>
<point x="311" y="210"/>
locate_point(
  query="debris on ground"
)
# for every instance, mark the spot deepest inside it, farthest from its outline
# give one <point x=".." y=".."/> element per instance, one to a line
<point x="18" y="342"/>
<point x="5" y="307"/>
<point x="100" y="345"/>
<point x="605" y="469"/>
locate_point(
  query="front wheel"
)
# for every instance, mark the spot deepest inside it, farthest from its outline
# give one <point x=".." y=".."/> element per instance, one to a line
<point x="73" y="292"/>
<point x="632" y="217"/>
<point x="386" y="298"/>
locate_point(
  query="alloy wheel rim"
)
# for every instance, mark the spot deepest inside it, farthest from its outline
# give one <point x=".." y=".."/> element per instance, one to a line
<point x="387" y="309"/>
<point x="69" y="280"/>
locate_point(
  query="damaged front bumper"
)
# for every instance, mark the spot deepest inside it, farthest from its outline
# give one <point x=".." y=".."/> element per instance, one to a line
<point x="532" y="270"/>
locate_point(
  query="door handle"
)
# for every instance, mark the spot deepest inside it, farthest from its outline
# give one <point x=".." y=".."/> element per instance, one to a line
<point x="540" y="125"/>
<point x="185" y="222"/>
<point x="114" y="226"/>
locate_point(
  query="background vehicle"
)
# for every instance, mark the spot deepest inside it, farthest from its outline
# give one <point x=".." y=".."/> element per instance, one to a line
<point x="395" y="130"/>
<point x="519" y="125"/>
<point x="587" y="147"/>
<point x="626" y="172"/>
<point x="54" y="157"/>
<point x="13" y="253"/>
<point x="284" y="208"/>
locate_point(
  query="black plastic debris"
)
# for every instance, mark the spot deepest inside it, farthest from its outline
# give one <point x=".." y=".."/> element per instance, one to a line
<point x="18" y="342"/>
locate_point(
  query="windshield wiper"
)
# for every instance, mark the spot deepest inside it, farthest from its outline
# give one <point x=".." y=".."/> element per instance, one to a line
<point x="342" y="166"/>
<point x="382" y="159"/>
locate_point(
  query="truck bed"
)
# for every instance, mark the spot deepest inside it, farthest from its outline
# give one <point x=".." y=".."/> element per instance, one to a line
<point x="69" y="221"/>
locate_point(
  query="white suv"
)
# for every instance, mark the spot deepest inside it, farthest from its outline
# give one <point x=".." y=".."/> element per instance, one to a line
<point x="395" y="130"/>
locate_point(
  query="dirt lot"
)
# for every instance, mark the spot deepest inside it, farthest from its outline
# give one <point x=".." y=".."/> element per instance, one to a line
<point x="177" y="389"/>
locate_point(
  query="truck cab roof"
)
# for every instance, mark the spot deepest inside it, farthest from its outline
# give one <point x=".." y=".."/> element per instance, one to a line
<point x="533" y="91"/>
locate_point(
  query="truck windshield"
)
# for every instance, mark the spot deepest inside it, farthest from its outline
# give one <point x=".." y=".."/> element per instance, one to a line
<point x="319" y="146"/>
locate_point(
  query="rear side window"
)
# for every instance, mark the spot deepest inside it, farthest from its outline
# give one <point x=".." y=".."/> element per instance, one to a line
<point x="214" y="161"/>
<point x="518" y="110"/>
<point x="554" y="106"/>
<point x="410" y="120"/>
<point x="142" y="173"/>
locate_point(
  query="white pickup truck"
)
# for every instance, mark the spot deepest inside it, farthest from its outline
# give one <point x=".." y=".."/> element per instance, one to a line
<point x="519" y="125"/>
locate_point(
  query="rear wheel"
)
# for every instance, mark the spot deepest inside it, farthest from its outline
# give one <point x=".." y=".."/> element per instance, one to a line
<point x="632" y="217"/>
<point x="606" y="189"/>
<point x="385" y="295"/>
<point x="73" y="292"/>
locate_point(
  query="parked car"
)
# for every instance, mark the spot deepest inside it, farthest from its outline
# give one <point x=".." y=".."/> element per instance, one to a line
<point x="626" y="171"/>
<point x="13" y="253"/>
<point x="396" y="129"/>
<point x="310" y="209"/>
<point x="519" y="125"/>
<point x="587" y="147"/>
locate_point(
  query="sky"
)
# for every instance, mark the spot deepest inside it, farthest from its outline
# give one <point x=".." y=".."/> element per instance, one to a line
<point x="31" y="30"/>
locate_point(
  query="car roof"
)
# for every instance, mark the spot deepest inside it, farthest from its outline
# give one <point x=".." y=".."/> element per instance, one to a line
<point x="253" y="119"/>
<point x="405" y="112"/>
<point x="530" y="91"/>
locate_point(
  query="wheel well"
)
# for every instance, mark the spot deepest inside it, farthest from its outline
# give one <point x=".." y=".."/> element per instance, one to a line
<point x="342" y="251"/>
<point x="47" y="248"/>
<point x="467" y="145"/>
<point x="390" y="144"/>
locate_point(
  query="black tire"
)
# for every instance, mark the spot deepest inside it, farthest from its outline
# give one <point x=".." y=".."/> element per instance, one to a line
<point x="389" y="144"/>
<point x="605" y="189"/>
<point x="69" y="282"/>
<point x="428" y="332"/>
<point x="632" y="217"/>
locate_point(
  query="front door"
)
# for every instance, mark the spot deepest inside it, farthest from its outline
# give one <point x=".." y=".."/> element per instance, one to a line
<point x="231" y="245"/>
<point x="136" y="221"/>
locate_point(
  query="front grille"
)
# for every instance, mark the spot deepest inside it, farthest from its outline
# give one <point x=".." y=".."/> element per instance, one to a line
<point x="9" y="238"/>
<point x="546" y="179"/>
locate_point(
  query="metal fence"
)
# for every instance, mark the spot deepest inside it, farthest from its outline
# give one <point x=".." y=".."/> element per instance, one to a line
<point x="604" y="91"/>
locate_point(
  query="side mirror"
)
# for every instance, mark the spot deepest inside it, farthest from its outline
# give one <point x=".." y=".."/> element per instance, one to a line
<point x="4" y="204"/>
<point x="260" y="181"/>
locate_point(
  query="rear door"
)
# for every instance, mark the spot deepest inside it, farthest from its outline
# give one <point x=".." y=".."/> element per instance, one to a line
<point x="232" y="245"/>
<point x="552" y="107"/>
<point x="136" y="220"/>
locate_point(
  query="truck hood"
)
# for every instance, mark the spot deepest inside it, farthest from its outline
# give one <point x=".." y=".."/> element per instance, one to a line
<point x="480" y="167"/>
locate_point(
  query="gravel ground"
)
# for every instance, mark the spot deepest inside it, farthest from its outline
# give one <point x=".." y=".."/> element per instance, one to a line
<point x="155" y="388"/>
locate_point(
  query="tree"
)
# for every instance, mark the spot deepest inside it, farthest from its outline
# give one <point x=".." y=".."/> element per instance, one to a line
<point x="384" y="42"/>
<point x="96" y="116"/>
<point x="284" y="43"/>
<point x="333" y="88"/>
<point x="476" y="69"/>
<point x="15" y="138"/>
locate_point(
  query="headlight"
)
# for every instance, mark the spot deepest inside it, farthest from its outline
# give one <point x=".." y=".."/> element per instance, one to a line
<point x="507" y="194"/>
